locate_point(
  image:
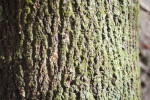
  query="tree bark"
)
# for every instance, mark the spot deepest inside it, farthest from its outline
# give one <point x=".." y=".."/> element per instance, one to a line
<point x="69" y="50"/>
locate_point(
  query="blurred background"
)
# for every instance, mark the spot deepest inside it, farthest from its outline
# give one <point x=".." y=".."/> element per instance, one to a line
<point x="144" y="37"/>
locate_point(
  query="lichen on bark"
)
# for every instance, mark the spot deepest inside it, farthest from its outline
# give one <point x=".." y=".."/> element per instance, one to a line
<point x="64" y="49"/>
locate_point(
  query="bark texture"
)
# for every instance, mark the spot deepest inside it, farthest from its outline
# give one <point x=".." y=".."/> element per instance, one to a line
<point x="69" y="50"/>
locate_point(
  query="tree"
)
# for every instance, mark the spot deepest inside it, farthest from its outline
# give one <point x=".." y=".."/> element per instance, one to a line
<point x="69" y="49"/>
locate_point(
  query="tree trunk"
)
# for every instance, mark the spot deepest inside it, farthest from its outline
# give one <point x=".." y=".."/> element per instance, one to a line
<point x="69" y="50"/>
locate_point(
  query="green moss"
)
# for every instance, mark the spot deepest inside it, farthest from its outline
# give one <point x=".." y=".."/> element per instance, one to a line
<point x="72" y="96"/>
<point x="27" y="9"/>
<point x="29" y="2"/>
<point x="59" y="93"/>
<point x="81" y="68"/>
<point x="66" y="96"/>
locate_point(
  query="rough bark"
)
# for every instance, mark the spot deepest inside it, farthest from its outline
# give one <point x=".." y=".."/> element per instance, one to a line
<point x="69" y="50"/>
